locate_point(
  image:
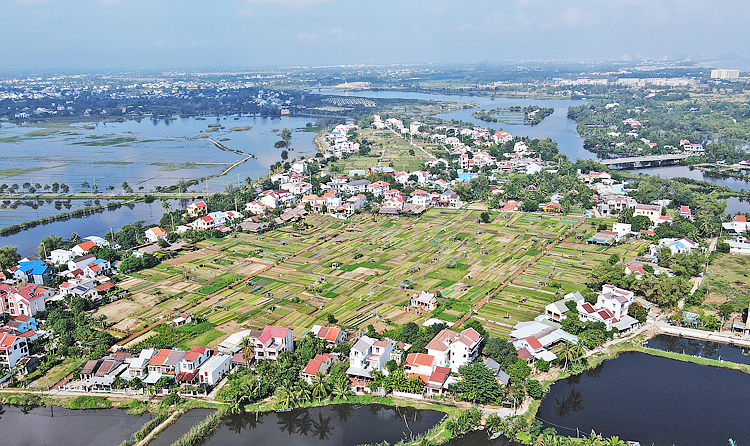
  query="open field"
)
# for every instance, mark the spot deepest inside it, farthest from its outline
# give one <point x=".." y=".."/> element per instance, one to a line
<point x="365" y="270"/>
<point x="727" y="281"/>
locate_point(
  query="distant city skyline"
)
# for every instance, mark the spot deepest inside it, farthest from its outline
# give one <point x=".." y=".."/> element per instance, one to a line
<point x="172" y="34"/>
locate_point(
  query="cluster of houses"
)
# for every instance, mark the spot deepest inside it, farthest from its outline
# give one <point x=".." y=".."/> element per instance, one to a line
<point x="535" y="339"/>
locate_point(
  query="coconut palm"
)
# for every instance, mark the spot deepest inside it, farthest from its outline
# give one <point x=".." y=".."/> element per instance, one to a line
<point x="302" y="392"/>
<point x="285" y="395"/>
<point x="566" y="352"/>
<point x="165" y="206"/>
<point x="579" y="350"/>
<point x="614" y="441"/>
<point x="342" y="389"/>
<point x="319" y="386"/>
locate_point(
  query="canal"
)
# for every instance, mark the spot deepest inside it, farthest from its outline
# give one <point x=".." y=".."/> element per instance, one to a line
<point x="340" y="425"/>
<point x="51" y="425"/>
<point x="653" y="400"/>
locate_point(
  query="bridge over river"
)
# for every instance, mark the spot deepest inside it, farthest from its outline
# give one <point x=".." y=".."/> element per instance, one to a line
<point x="634" y="162"/>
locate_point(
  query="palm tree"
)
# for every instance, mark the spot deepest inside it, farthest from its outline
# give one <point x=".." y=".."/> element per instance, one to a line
<point x="342" y="389"/>
<point x="579" y="350"/>
<point x="301" y="393"/>
<point x="319" y="386"/>
<point x="165" y="206"/>
<point x="285" y="395"/>
<point x="614" y="441"/>
<point x="566" y="351"/>
<point x="246" y="343"/>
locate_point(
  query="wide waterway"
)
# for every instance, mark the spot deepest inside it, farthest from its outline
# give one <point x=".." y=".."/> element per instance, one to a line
<point x="652" y="400"/>
<point x="341" y="425"/>
<point x="51" y="425"/>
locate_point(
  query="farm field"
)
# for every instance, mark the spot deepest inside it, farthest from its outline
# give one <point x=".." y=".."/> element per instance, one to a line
<point x="364" y="271"/>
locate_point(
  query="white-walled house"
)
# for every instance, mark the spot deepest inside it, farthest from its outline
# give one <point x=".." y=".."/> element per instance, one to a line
<point x="272" y="341"/>
<point x="60" y="256"/>
<point x="213" y="370"/>
<point x="154" y="234"/>
<point x="454" y="350"/>
<point x="12" y="348"/>
<point x="555" y="311"/>
<point x="419" y="363"/>
<point x="615" y="300"/>
<point x="368" y="355"/>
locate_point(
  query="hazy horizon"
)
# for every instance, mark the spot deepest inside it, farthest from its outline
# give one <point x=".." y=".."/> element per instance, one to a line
<point x="167" y="34"/>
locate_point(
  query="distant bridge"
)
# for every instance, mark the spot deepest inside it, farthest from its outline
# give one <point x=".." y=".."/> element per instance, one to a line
<point x="632" y="162"/>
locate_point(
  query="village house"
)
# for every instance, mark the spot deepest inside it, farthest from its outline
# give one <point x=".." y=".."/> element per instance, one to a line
<point x="738" y="225"/>
<point x="424" y="301"/>
<point x="26" y="301"/>
<point x="272" y="341"/>
<point x="83" y="248"/>
<point x="12" y="349"/>
<point x="653" y="212"/>
<point x="368" y="355"/>
<point x="32" y="271"/>
<point x="454" y="350"/>
<point x="332" y="335"/>
<point x="213" y="370"/>
<point x="197" y="209"/>
<point x="61" y="256"/>
<point x="420" y="364"/>
<point x="154" y="234"/>
<point x="319" y="364"/>
<point x="556" y="310"/>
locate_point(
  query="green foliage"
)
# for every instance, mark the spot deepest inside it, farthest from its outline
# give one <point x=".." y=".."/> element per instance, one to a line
<point x="638" y="312"/>
<point x="519" y="371"/>
<point x="501" y="351"/>
<point x="534" y="388"/>
<point x="168" y="337"/>
<point x="477" y="384"/>
<point x="90" y="402"/>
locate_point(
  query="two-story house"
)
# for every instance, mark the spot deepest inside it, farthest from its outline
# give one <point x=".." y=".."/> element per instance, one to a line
<point x="454" y="350"/>
<point x="272" y="341"/>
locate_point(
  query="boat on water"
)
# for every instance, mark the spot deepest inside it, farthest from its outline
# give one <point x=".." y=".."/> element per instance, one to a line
<point x="495" y="435"/>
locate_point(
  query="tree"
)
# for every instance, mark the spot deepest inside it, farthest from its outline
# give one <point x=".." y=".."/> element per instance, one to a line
<point x="519" y="371"/>
<point x="9" y="257"/>
<point x="638" y="312"/>
<point x="477" y="384"/>
<point x="501" y="351"/>
<point x="49" y="244"/>
<point x="726" y="309"/>
<point x="409" y="333"/>
<point x="319" y="386"/>
<point x="284" y="155"/>
<point x="484" y="217"/>
<point x="534" y="388"/>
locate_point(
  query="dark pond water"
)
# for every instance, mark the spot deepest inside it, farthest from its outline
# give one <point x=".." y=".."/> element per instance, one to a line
<point x="652" y="400"/>
<point x="56" y="426"/>
<point x="178" y="429"/>
<point x="704" y="349"/>
<point x="341" y="425"/>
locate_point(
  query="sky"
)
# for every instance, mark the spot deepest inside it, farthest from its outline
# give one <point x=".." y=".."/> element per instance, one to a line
<point x="189" y="34"/>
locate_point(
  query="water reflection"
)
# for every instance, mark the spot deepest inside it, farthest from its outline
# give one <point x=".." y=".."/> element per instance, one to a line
<point x="703" y="349"/>
<point x="342" y="424"/>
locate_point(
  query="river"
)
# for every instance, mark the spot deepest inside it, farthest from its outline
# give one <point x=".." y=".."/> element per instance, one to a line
<point x="652" y="400"/>
<point x="51" y="425"/>
<point x="340" y="424"/>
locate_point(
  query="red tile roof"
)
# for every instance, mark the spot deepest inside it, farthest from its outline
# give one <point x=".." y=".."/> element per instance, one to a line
<point x="419" y="359"/>
<point x="86" y="245"/>
<point x="740" y="219"/>
<point x="313" y="367"/>
<point x="533" y="342"/>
